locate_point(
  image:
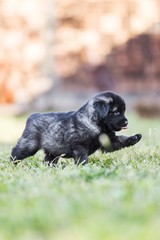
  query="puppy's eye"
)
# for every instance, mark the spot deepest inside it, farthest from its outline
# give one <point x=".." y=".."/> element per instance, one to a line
<point x="116" y="113"/>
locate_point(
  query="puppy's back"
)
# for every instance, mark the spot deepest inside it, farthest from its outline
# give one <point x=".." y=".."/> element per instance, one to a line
<point x="41" y="121"/>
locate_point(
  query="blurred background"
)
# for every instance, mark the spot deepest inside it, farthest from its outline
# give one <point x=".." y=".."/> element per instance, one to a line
<point x="55" y="54"/>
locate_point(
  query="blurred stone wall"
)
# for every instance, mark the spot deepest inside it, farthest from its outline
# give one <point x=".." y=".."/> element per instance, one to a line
<point x="77" y="41"/>
<point x="136" y="64"/>
<point x="22" y="49"/>
<point x="87" y="33"/>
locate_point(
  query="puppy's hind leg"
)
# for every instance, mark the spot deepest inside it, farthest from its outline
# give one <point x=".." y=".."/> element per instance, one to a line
<point x="26" y="146"/>
<point x="80" y="156"/>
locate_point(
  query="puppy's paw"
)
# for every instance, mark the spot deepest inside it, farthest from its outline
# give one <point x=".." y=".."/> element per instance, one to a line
<point x="133" y="140"/>
<point x="14" y="160"/>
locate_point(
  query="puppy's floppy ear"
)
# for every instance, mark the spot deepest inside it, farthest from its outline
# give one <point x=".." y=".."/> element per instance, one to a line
<point x="102" y="108"/>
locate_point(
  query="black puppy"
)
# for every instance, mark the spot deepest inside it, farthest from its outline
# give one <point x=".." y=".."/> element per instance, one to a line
<point x="75" y="134"/>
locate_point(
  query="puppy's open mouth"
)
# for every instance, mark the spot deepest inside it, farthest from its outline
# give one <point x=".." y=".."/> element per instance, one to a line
<point x="124" y="128"/>
<point x="124" y="125"/>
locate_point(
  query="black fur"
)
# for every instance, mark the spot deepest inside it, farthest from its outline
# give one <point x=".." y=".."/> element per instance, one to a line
<point x="75" y="134"/>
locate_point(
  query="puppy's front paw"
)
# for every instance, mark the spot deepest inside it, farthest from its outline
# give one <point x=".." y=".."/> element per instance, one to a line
<point x="133" y="140"/>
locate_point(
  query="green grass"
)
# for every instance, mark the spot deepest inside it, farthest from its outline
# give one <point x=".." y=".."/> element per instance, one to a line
<point x="115" y="196"/>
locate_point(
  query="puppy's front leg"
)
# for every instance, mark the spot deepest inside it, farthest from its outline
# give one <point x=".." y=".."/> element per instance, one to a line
<point x="118" y="142"/>
<point x="80" y="155"/>
<point x="50" y="160"/>
<point x="123" y="141"/>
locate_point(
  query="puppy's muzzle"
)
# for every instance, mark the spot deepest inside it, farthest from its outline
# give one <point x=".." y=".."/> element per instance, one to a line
<point x="124" y="126"/>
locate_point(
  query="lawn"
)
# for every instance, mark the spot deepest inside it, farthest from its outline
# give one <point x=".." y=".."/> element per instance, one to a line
<point x="115" y="196"/>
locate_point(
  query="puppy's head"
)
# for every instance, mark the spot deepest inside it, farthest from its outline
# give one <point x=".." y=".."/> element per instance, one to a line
<point x="109" y="111"/>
